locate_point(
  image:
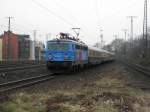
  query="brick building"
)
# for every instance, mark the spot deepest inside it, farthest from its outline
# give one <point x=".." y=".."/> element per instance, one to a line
<point x="14" y="46"/>
<point x="10" y="46"/>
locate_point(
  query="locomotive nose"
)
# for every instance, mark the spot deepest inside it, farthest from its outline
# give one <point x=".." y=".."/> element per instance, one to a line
<point x="60" y="56"/>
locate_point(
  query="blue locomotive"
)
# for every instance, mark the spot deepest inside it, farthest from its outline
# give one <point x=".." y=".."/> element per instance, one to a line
<point x="66" y="52"/>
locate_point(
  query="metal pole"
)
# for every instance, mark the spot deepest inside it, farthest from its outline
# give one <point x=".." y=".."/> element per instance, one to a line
<point x="131" y="17"/>
<point x="9" y="51"/>
<point x="125" y="32"/>
<point x="116" y="36"/>
<point x="145" y="38"/>
<point x="101" y="36"/>
<point x="34" y="42"/>
<point x="9" y="20"/>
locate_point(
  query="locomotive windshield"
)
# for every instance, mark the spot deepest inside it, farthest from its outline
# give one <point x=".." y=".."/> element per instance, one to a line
<point x="58" y="46"/>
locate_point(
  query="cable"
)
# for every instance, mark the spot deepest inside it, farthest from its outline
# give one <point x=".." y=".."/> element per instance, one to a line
<point x="97" y="11"/>
<point x="66" y="10"/>
<point x="52" y="13"/>
<point x="22" y="27"/>
<point x="119" y="10"/>
<point x="3" y="27"/>
<point x="69" y="13"/>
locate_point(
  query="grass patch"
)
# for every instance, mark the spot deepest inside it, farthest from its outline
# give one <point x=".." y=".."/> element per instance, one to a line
<point x="23" y="103"/>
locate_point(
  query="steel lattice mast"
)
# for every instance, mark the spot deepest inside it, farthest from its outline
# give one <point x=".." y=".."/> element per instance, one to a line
<point x="145" y="41"/>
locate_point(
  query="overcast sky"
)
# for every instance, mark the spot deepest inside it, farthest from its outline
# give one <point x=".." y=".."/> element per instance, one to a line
<point x="54" y="16"/>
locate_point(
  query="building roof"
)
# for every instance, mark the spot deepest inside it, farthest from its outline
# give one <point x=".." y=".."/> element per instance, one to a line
<point x="23" y="35"/>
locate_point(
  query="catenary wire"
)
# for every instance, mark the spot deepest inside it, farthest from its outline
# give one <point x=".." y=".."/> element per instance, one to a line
<point x="52" y="13"/>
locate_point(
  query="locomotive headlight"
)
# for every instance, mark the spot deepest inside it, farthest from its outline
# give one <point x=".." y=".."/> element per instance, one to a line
<point x="66" y="57"/>
<point x="50" y="57"/>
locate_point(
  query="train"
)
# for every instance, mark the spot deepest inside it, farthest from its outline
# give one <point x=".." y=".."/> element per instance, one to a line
<point x="68" y="53"/>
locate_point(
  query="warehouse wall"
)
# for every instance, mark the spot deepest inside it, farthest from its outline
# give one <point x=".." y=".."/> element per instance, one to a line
<point x="24" y="47"/>
<point x="32" y="51"/>
<point x="39" y="51"/>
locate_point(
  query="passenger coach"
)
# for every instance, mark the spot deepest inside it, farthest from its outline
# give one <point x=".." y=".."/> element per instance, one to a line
<point x="97" y="56"/>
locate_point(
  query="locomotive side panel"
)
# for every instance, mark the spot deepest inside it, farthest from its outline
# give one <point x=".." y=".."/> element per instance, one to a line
<point x="81" y="53"/>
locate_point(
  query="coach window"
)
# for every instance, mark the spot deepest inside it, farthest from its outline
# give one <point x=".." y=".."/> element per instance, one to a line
<point x="84" y="48"/>
<point x="80" y="47"/>
<point x="77" y="47"/>
<point x="72" y="47"/>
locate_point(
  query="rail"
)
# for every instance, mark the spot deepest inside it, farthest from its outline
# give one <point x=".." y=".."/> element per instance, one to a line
<point x="15" y="68"/>
<point x="13" y="85"/>
<point x="17" y="65"/>
<point x="138" y="68"/>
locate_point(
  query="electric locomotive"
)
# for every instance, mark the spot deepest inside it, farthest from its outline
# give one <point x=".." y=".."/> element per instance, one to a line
<point x="66" y="53"/>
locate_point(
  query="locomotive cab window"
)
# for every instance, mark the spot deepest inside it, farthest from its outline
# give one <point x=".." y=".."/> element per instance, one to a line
<point x="58" y="46"/>
<point x="81" y="47"/>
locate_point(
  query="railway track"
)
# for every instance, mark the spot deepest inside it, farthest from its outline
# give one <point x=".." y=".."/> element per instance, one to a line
<point x="143" y="84"/>
<point x="138" y="68"/>
<point x="13" y="85"/>
<point x="16" y="68"/>
<point x="17" y="65"/>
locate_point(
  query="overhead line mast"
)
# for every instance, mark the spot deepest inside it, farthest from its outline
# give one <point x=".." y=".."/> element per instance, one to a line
<point x="131" y="35"/>
<point x="125" y="39"/>
<point x="145" y="39"/>
<point x="9" y="19"/>
<point x="101" y="37"/>
<point x="9" y="51"/>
